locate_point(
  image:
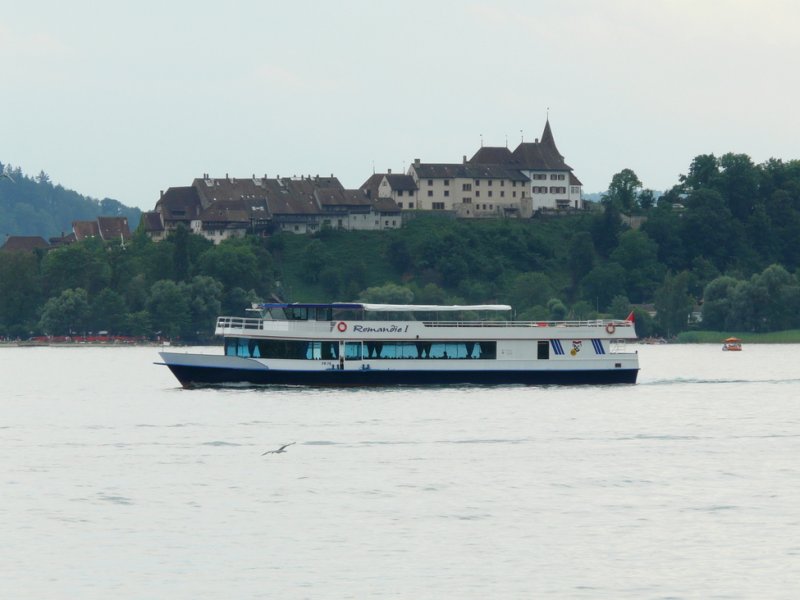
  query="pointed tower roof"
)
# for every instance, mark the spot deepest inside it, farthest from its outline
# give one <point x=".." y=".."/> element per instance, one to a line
<point x="547" y="139"/>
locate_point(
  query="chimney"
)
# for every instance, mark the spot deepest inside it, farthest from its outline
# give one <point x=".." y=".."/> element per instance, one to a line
<point x="465" y="159"/>
<point x="162" y="195"/>
<point x="226" y="176"/>
<point x="388" y="171"/>
<point x="416" y="162"/>
<point x="537" y="141"/>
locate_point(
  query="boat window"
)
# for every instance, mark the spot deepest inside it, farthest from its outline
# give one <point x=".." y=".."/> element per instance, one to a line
<point x="543" y="350"/>
<point x="297" y="314"/>
<point x="329" y="350"/>
<point x="352" y="350"/>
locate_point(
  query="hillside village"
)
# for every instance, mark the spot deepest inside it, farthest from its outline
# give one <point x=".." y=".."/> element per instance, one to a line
<point x="496" y="182"/>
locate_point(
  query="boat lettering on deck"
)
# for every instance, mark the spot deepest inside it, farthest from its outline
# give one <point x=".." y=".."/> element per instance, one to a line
<point x="390" y="329"/>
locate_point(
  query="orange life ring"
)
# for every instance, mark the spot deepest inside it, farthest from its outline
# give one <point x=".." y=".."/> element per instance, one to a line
<point x="611" y="328"/>
<point x="341" y="326"/>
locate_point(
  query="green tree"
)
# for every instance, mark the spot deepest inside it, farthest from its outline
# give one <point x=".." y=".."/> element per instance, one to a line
<point x="581" y="256"/>
<point x="623" y="191"/>
<point x="638" y="256"/>
<point x="20" y="293"/>
<point x="108" y="313"/>
<point x="234" y="263"/>
<point x="673" y="303"/>
<point x="602" y="284"/>
<point x="620" y="307"/>
<point x="180" y="256"/>
<point x="205" y="304"/>
<point x="66" y="314"/>
<point x="530" y="289"/>
<point x="717" y="303"/>
<point x="389" y="293"/>
<point x="80" y="265"/>
<point x="169" y="309"/>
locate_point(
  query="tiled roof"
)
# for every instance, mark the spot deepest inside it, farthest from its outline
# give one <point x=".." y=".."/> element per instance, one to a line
<point x="152" y="221"/>
<point x="371" y="185"/>
<point x="179" y="204"/>
<point x="574" y="180"/>
<point x="85" y="229"/>
<point x="339" y="197"/>
<point x="467" y="171"/>
<point x="114" y="228"/>
<point x="62" y="240"/>
<point x="399" y="182"/>
<point x="24" y="243"/>
<point x="492" y="155"/>
<point x="542" y="155"/>
<point x="385" y="205"/>
<point x="226" y="211"/>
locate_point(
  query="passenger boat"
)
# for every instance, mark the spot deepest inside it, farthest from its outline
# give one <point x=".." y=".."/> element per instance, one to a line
<point x="732" y="344"/>
<point x="360" y="344"/>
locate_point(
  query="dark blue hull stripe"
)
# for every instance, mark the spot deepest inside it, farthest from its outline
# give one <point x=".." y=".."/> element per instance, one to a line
<point x="598" y="347"/>
<point x="193" y="376"/>
<point x="557" y="347"/>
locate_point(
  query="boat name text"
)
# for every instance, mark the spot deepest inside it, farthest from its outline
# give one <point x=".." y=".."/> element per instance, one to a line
<point x="389" y="329"/>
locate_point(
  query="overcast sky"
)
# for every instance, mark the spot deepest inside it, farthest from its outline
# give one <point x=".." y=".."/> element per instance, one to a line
<point x="123" y="99"/>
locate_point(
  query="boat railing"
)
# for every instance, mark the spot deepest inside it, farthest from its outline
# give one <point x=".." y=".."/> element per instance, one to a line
<point x="589" y="323"/>
<point x="244" y="323"/>
<point x="238" y="323"/>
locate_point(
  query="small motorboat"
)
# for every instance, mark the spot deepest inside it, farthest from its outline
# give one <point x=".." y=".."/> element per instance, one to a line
<point x="732" y="344"/>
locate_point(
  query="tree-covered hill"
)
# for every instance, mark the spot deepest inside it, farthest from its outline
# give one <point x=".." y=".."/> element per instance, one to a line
<point x="724" y="238"/>
<point x="34" y="206"/>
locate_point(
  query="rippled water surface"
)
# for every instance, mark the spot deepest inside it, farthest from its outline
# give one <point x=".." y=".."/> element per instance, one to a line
<point x="116" y="483"/>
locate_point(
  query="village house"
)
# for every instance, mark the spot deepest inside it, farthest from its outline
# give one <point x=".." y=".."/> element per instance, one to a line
<point x="24" y="243"/>
<point x="553" y="185"/>
<point x="220" y="208"/>
<point x="471" y="190"/>
<point x="106" y="228"/>
<point x="398" y="187"/>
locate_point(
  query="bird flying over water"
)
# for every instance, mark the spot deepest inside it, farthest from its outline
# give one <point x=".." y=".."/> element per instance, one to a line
<point x="279" y="450"/>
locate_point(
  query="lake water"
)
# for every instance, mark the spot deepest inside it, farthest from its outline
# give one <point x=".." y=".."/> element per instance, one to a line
<point x="116" y="483"/>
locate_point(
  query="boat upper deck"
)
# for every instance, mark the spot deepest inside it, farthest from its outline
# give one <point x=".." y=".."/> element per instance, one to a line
<point x="351" y="321"/>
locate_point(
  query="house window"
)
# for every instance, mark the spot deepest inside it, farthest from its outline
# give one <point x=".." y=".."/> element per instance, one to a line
<point x="490" y="193"/>
<point x="430" y="193"/>
<point x="477" y="182"/>
<point x="557" y="176"/>
<point x="514" y="194"/>
<point x="502" y="194"/>
<point x="410" y="205"/>
<point x="466" y="200"/>
<point x="575" y="189"/>
<point x="502" y="183"/>
<point x="447" y="193"/>
<point x="466" y="187"/>
<point x="539" y="176"/>
<point x="430" y="181"/>
<point x="438" y="206"/>
<point x="489" y="183"/>
<point x="477" y="193"/>
<point x="447" y="182"/>
<point x="399" y="205"/>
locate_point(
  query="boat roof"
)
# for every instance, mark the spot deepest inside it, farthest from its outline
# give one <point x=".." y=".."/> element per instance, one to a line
<point x="386" y="307"/>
